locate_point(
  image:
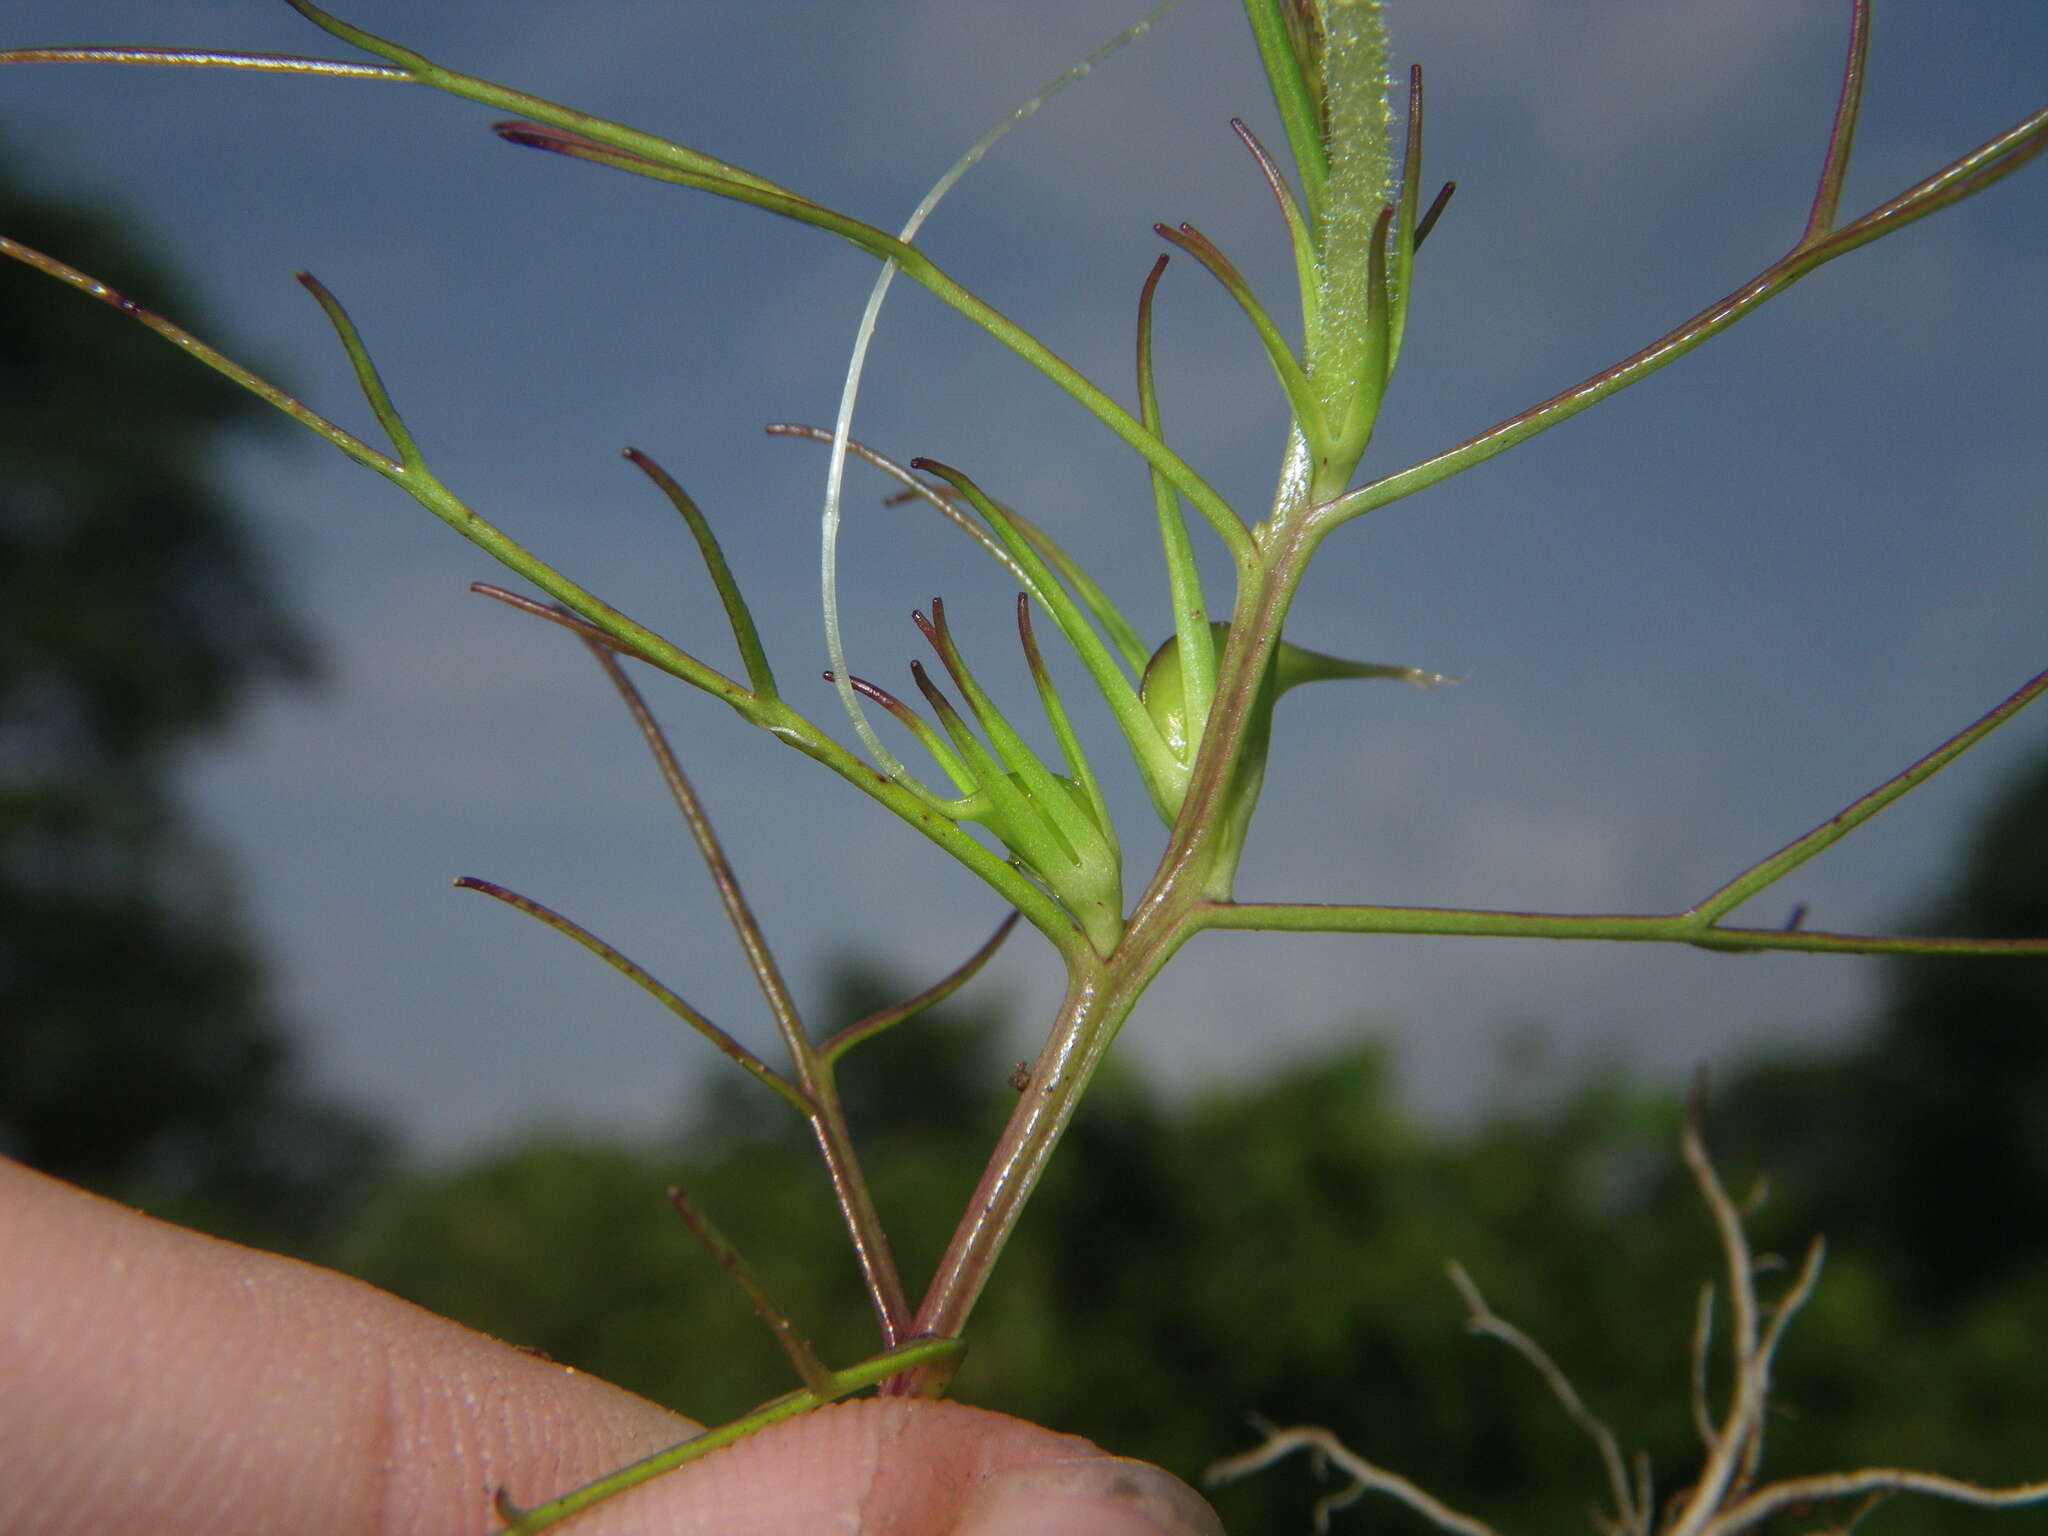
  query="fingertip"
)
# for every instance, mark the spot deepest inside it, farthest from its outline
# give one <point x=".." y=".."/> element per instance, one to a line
<point x="1092" y="1496"/>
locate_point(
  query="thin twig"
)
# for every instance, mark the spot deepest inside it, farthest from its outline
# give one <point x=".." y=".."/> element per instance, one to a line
<point x="1827" y="196"/>
<point x="1702" y="1340"/>
<point x="1782" y="1312"/>
<point x="1732" y="1451"/>
<point x="1767" y="1501"/>
<point x="1367" y="1477"/>
<point x="1484" y="1320"/>
<point x="1721" y="1502"/>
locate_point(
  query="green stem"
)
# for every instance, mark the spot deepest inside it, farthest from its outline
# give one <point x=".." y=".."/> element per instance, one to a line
<point x="930" y="1354"/>
<point x="1192" y="643"/>
<point x="1672" y="928"/>
<point x="191" y="345"/>
<point x="602" y="141"/>
<point x="1293" y="73"/>
<point x="680" y="1006"/>
<point x="813" y="1070"/>
<point x="1198" y="866"/>
<point x="1699" y="924"/>
<point x="873" y="1024"/>
<point x="210" y="58"/>
<point x="1100" y="996"/>
<point x="769" y="714"/>
<point x="1780" y="864"/>
<point x="1963" y="177"/>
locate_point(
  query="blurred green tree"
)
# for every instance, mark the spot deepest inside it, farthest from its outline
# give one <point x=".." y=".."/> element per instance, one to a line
<point x="140" y="1056"/>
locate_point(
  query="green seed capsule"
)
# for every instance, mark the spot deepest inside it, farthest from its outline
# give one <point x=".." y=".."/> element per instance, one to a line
<point x="1165" y="696"/>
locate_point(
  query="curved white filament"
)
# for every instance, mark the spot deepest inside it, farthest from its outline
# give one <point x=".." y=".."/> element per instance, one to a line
<point x="842" y="426"/>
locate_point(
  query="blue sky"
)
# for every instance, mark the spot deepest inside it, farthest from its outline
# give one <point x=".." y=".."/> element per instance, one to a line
<point x="1692" y="623"/>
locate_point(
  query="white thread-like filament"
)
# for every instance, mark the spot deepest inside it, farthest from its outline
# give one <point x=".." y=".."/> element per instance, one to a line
<point x="842" y="426"/>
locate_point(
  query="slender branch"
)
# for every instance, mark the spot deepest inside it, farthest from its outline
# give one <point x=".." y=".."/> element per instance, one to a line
<point x="1193" y="644"/>
<point x="1433" y="212"/>
<point x="931" y="495"/>
<point x="560" y="617"/>
<point x="1147" y="750"/>
<point x="368" y="380"/>
<point x="1122" y="634"/>
<point x="772" y="715"/>
<point x="813" y="1072"/>
<point x="945" y="499"/>
<point x="1293" y="66"/>
<point x="1301" y="398"/>
<point x="601" y="141"/>
<point x="419" y="67"/>
<point x="760" y="957"/>
<point x="622" y="633"/>
<point x="972" y="803"/>
<point x="1016" y="816"/>
<point x="920" y="269"/>
<point x="410" y="475"/>
<point x="1063" y="731"/>
<point x="1306" y="278"/>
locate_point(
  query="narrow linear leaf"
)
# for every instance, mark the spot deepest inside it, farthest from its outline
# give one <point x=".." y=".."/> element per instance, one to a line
<point x="921" y="1352"/>
<point x="873" y="1024"/>
<point x="760" y="676"/>
<point x="1769" y="871"/>
<point x="810" y="1370"/>
<point x="1301" y="398"/>
<point x="726" y="1045"/>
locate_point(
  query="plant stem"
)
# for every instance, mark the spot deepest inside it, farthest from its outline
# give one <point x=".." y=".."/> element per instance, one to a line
<point x="814" y="1076"/>
<point x="1196" y="871"/>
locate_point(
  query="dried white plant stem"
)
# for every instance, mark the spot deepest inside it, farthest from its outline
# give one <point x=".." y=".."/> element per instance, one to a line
<point x="1721" y="1502"/>
<point x="864" y="335"/>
